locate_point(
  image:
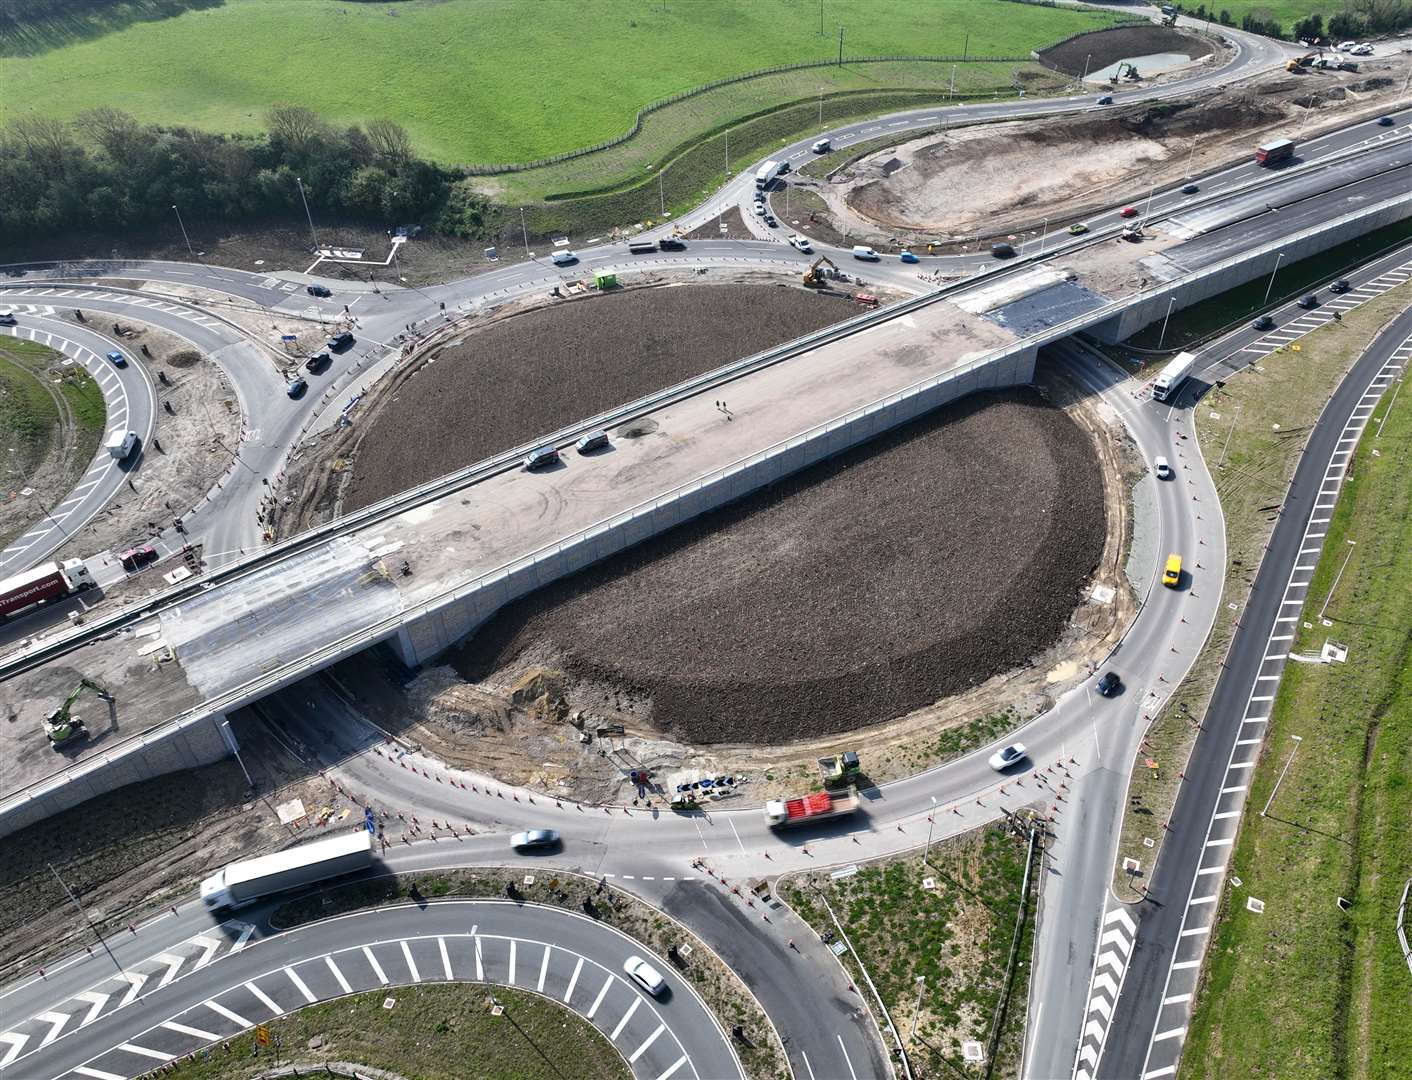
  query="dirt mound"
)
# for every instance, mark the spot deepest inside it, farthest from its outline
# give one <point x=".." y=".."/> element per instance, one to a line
<point x="1103" y="47"/>
<point x="535" y="373"/>
<point x="871" y="584"/>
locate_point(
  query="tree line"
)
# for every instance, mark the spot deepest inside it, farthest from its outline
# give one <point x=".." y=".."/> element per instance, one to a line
<point x="107" y="172"/>
<point x="1356" y="20"/>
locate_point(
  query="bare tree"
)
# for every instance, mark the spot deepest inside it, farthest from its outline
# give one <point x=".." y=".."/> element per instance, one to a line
<point x="44" y="140"/>
<point x="390" y="141"/>
<point x="294" y="126"/>
<point x="114" y="130"/>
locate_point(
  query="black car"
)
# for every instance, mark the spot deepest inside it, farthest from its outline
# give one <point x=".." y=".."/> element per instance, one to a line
<point x="1264" y="323"/>
<point x="1190" y="189"/>
<point x="1340" y="286"/>
<point x="671" y="243"/>
<point x="317" y="290"/>
<point x="1385" y="121"/>
<point x="1309" y="301"/>
<point x="1002" y="251"/>
<point x="317" y="363"/>
<point x="1106" y="99"/>
<point x="1110" y="684"/>
<point x="339" y="342"/>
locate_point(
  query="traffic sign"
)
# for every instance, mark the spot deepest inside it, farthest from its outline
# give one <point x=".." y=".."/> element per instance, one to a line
<point x="262" y="1035"/>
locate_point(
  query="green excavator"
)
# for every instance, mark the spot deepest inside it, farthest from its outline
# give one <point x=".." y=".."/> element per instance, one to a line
<point x="62" y="726"/>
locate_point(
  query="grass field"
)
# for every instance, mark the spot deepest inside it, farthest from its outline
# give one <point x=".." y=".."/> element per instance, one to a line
<point x="1307" y="990"/>
<point x="483" y="80"/>
<point x="955" y="937"/>
<point x="1252" y="462"/>
<point x="430" y="1033"/>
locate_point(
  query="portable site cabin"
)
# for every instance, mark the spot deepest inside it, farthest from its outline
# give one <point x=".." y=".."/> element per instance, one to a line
<point x="602" y="280"/>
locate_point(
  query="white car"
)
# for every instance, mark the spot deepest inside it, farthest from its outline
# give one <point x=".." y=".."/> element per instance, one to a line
<point x="1007" y="756"/>
<point x="802" y="243"/>
<point x="565" y="258"/>
<point x="645" y="975"/>
<point x="759" y="208"/>
<point x="1162" y="468"/>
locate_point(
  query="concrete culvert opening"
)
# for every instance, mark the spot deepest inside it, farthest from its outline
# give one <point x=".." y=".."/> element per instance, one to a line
<point x="863" y="588"/>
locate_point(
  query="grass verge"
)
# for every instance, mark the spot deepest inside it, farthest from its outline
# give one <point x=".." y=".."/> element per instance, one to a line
<point x="940" y="957"/>
<point x="1252" y="460"/>
<point x="1306" y="989"/>
<point x="430" y="1033"/>
<point x="29" y="415"/>
<point x="718" y="986"/>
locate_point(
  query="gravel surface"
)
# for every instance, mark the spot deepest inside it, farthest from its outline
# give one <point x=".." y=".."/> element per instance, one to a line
<point x="537" y="372"/>
<point x="868" y="586"/>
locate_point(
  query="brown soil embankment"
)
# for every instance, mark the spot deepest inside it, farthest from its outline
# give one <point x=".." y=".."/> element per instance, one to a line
<point x="1092" y="52"/>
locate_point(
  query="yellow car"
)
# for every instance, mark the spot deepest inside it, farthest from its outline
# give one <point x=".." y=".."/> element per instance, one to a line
<point x="1172" y="573"/>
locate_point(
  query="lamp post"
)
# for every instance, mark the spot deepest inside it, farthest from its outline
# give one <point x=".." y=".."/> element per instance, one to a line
<point x="305" y="200"/>
<point x="1297" y="740"/>
<point x="183" y="231"/>
<point x="1189" y="158"/>
<point x="1351" y="545"/>
<point x="931" y="821"/>
<point x="1270" y="287"/>
<point x="524" y="232"/>
<point x="1171" y="303"/>
<point x="1043" y="232"/>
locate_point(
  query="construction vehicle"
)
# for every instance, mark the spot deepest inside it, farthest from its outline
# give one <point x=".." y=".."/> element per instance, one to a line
<point x="62" y="726"/>
<point x="1169" y="19"/>
<point x="814" y="278"/>
<point x="839" y="770"/>
<point x="1292" y="65"/>
<point x="807" y="809"/>
<point x="1125" y="71"/>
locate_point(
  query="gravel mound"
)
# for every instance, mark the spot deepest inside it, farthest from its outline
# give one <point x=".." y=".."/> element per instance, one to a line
<point x="870" y="585"/>
<point x="1104" y="47"/>
<point x="536" y="373"/>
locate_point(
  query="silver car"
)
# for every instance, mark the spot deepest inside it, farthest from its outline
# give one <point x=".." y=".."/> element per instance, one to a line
<point x="645" y="975"/>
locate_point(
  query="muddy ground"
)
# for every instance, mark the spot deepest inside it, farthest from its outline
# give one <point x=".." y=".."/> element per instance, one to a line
<point x="197" y="427"/>
<point x="855" y="592"/>
<point x="1095" y="51"/>
<point x="534" y="369"/>
<point x="969" y="185"/>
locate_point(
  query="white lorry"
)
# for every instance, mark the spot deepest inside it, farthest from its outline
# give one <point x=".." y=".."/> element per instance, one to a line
<point x="244" y="882"/>
<point x="120" y="444"/>
<point x="767" y="173"/>
<point x="1170" y="378"/>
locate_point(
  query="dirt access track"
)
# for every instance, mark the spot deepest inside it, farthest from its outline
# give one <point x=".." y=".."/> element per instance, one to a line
<point x="989" y="181"/>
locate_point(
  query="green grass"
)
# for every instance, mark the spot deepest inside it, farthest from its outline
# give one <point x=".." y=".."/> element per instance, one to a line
<point x="957" y="936"/>
<point x="29" y="414"/>
<point x="430" y="1033"/>
<point x="1252" y="461"/>
<point x="1284" y="12"/>
<point x="1305" y="989"/>
<point x="484" y="80"/>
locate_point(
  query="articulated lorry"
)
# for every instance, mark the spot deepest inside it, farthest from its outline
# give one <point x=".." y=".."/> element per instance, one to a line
<point x="242" y="883"/>
<point x="767" y="173"/>
<point x="807" y="809"/>
<point x="43" y="583"/>
<point x="1170" y="378"/>
<point x="1272" y="153"/>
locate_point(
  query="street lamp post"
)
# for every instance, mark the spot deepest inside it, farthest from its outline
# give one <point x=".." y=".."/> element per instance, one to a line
<point x="183" y="231"/>
<point x="1043" y="232"/>
<point x="1270" y="287"/>
<point x="1084" y="77"/>
<point x="921" y="988"/>
<point x="1351" y="545"/>
<point x="305" y="200"/>
<point x="1148" y="208"/>
<point x="662" y="192"/>
<point x="931" y="822"/>
<point x="1171" y="303"/>
<point x="1297" y="740"/>
<point x="1189" y="158"/>
<point x="1308" y="112"/>
<point x="524" y="232"/>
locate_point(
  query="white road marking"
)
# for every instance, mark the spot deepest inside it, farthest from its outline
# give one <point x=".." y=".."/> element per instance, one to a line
<point x="17" y="1042"/>
<point x="511" y="980"/>
<point x="599" y="999"/>
<point x="411" y="964"/>
<point x="159" y="1055"/>
<point x="135" y="982"/>
<point x="643" y="1048"/>
<point x="674" y="1066"/>
<point x="97" y="1074"/>
<point x="299" y="985"/>
<point x="573" y="980"/>
<point x="846" y="1058"/>
<point x="636" y="1001"/>
<point x="377" y="968"/>
<point x="446" y="961"/>
<point x="338" y="975"/>
<point x="96" y="1002"/>
<point x="265" y="999"/>
<point x="480" y="972"/>
<point x="233" y="1017"/>
<point x="56" y="1022"/>
<point x="543" y="970"/>
<point x="195" y="1033"/>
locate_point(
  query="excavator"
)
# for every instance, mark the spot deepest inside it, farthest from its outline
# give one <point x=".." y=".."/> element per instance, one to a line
<point x="813" y="278"/>
<point x="63" y="728"/>
<point x="1125" y="71"/>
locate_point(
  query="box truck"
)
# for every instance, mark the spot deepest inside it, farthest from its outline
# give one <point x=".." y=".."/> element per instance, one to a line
<point x="244" y="882"/>
<point x="1170" y="378"/>
<point x="43" y="583"/>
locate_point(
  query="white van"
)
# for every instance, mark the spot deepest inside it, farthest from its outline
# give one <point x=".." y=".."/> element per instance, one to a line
<point x="120" y="444"/>
<point x="823" y="146"/>
<point x="1163" y="470"/>
<point x="861" y="252"/>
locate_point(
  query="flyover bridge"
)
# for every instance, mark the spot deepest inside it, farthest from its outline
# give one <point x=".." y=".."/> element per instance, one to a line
<point x="480" y="538"/>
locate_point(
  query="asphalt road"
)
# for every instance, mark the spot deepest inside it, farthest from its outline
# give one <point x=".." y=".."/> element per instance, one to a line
<point x="207" y="989"/>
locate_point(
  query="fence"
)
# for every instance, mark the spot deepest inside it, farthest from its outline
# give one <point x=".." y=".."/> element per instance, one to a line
<point x="662" y="103"/>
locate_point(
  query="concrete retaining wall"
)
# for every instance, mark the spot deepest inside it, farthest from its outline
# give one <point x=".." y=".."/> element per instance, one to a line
<point x="1153" y="306"/>
<point x="185" y="746"/>
<point x="438" y="626"/>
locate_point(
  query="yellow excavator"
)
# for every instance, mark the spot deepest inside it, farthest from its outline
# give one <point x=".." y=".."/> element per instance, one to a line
<point x="813" y="279"/>
<point x="62" y="726"/>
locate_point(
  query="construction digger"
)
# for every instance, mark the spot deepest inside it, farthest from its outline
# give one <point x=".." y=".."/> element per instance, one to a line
<point x="65" y="729"/>
<point x="1125" y="71"/>
<point x="814" y="278"/>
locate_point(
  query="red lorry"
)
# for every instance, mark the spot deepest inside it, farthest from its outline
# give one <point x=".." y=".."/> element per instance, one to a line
<point x="1274" y="152"/>
<point x="43" y="583"/>
<point x="802" y="809"/>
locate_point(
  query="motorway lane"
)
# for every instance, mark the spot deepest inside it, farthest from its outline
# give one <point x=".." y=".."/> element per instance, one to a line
<point x="1141" y="1013"/>
<point x="130" y="402"/>
<point x="568" y="957"/>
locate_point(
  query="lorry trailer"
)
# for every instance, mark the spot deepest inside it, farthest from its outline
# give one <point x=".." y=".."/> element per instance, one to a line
<point x="1274" y="152"/>
<point x="241" y="883"/>
<point x="767" y="173"/>
<point x="807" y="809"/>
<point x="43" y="583"/>
<point x="1170" y="378"/>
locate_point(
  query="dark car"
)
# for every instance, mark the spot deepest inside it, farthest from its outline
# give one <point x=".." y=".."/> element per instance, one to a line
<point x="671" y="243"/>
<point x="541" y="457"/>
<point x="1110" y="684"/>
<point x="1309" y="301"/>
<point x="318" y="290"/>
<point x="1190" y="189"/>
<point x="1340" y="286"/>
<point x="1106" y="99"/>
<point x="1002" y="250"/>
<point x="1264" y="322"/>
<point x="339" y="342"/>
<point x="117" y="359"/>
<point x="594" y="440"/>
<point x="317" y="363"/>
<point x="1385" y="121"/>
<point x="296" y="386"/>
